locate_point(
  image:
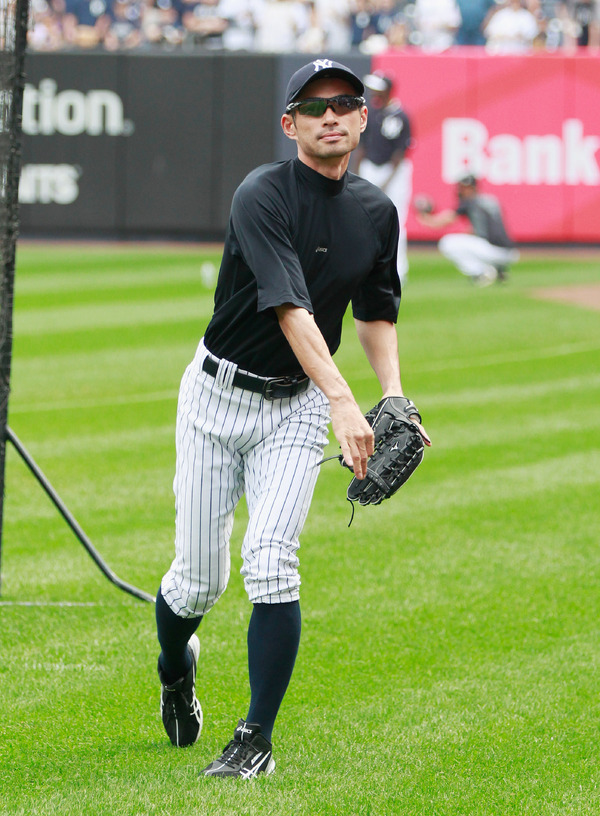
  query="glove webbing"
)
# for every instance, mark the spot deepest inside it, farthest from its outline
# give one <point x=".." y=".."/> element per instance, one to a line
<point x="402" y="405"/>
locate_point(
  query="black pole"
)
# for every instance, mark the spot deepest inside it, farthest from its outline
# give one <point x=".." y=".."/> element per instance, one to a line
<point x="13" y="45"/>
<point x="72" y="522"/>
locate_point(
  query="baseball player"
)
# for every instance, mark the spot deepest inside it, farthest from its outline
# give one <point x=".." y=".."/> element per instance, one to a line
<point x="305" y="238"/>
<point x="483" y="255"/>
<point x="382" y="156"/>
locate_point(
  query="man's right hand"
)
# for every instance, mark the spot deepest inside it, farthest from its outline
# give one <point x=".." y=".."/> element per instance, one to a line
<point x="354" y="434"/>
<point x="351" y="429"/>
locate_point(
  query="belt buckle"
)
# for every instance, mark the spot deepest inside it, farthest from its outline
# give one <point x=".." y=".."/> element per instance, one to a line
<point x="272" y="385"/>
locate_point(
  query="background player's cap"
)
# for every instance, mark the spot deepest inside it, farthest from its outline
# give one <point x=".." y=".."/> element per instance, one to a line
<point x="378" y="81"/>
<point x="319" y="69"/>
<point x="467" y="181"/>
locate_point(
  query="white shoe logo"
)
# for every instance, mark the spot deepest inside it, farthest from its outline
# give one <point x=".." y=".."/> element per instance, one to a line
<point x="249" y="773"/>
<point x="241" y="729"/>
<point x="197" y="710"/>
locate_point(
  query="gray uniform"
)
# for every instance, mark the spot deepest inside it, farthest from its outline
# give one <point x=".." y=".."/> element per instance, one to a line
<point x="485" y="254"/>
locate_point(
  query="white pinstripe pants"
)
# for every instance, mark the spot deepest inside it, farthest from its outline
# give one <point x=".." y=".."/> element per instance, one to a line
<point x="232" y="441"/>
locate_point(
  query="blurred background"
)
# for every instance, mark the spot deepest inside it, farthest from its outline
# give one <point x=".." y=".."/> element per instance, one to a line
<point x="141" y="117"/>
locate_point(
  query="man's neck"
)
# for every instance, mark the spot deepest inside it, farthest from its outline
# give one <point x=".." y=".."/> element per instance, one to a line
<point x="332" y="168"/>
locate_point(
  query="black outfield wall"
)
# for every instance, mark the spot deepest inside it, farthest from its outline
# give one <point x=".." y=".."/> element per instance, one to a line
<point x="142" y="145"/>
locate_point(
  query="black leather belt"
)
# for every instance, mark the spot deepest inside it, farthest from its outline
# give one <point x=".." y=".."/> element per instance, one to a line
<point x="271" y="388"/>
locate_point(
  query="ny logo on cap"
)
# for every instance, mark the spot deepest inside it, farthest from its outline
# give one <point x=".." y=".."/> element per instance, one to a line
<point x="322" y="63"/>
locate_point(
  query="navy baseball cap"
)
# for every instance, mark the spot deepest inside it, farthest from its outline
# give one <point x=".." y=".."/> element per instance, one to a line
<point x="319" y="69"/>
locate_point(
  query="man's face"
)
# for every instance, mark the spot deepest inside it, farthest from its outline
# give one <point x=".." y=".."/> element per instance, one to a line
<point x="465" y="191"/>
<point x="331" y="135"/>
<point x="379" y="99"/>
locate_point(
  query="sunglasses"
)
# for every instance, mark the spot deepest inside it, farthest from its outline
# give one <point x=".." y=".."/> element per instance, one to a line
<point x="317" y="106"/>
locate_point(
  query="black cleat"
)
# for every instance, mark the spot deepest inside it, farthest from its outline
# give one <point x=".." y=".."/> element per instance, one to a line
<point x="247" y="755"/>
<point x="181" y="712"/>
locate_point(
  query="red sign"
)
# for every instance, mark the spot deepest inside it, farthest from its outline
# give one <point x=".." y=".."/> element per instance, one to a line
<point x="527" y="126"/>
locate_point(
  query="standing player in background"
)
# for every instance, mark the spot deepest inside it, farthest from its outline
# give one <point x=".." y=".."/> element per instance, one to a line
<point x="485" y="254"/>
<point x="305" y="238"/>
<point x="382" y="154"/>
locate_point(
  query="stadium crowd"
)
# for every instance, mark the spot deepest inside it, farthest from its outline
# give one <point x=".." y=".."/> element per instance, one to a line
<point x="314" y="26"/>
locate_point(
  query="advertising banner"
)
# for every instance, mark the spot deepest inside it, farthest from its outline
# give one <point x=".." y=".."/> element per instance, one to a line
<point x="139" y="145"/>
<point x="74" y="123"/>
<point x="527" y="126"/>
<point x="132" y="145"/>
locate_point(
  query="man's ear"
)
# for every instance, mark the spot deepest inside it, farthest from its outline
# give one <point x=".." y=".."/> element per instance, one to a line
<point x="289" y="126"/>
<point x="363" y="119"/>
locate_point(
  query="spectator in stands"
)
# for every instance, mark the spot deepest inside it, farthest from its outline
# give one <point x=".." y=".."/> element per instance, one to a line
<point x="398" y="35"/>
<point x="279" y="25"/>
<point x="385" y="14"/>
<point x="552" y="18"/>
<point x="203" y="22"/>
<point x="334" y="19"/>
<point x="362" y="21"/>
<point x="511" y="29"/>
<point x="125" y="31"/>
<point x="388" y="12"/>
<point x="45" y="32"/>
<point x="313" y="26"/>
<point x="239" y="34"/>
<point x="313" y="39"/>
<point x="436" y="24"/>
<point x="86" y="22"/>
<point x="161" y="23"/>
<point x="474" y="14"/>
<point x="584" y="16"/>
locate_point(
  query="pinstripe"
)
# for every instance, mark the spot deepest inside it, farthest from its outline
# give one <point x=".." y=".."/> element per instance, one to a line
<point x="221" y="567"/>
<point x="278" y="506"/>
<point x="270" y="510"/>
<point x="228" y="441"/>
<point x="185" y="406"/>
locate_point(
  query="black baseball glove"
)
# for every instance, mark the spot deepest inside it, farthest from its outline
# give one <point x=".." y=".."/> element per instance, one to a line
<point x="398" y="451"/>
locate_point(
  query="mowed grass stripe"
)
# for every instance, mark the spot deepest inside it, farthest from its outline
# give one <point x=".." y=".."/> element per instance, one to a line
<point x="91" y="404"/>
<point x="50" y="320"/>
<point x="157" y="275"/>
<point x="450" y="636"/>
<point x="35" y="377"/>
<point x="89" y="375"/>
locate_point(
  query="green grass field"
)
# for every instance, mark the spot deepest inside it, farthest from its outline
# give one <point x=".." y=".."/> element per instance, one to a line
<point x="450" y="657"/>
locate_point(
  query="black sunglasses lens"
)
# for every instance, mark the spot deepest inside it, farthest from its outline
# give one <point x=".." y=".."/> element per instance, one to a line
<point x="340" y="105"/>
<point x="347" y="102"/>
<point x="316" y="107"/>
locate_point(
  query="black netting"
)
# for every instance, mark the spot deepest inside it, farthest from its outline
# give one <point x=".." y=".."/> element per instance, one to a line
<point x="13" y="39"/>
